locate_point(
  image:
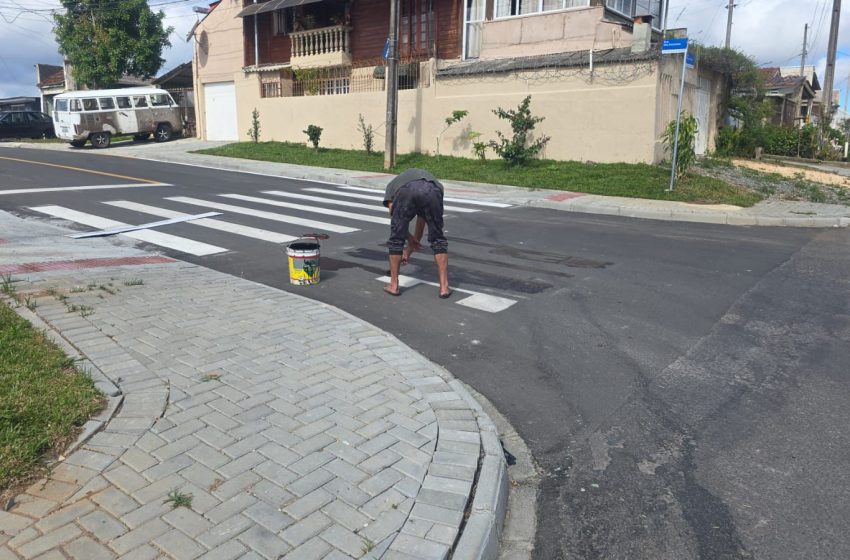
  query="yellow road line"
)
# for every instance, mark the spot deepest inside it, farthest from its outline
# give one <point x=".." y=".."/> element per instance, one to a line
<point x="92" y="171"/>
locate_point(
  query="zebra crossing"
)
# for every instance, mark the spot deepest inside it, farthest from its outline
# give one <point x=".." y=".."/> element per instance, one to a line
<point x="276" y="216"/>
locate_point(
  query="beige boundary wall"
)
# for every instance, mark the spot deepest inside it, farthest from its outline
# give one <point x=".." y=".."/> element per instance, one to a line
<point x="585" y="121"/>
<point x="588" y="119"/>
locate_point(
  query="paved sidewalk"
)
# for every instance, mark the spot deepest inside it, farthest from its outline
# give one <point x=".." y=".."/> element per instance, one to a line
<point x="769" y="213"/>
<point x="299" y="431"/>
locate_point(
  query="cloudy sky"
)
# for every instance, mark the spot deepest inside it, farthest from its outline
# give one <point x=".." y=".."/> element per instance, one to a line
<point x="771" y="31"/>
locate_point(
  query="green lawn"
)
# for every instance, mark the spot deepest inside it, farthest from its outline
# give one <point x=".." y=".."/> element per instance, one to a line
<point x="611" y="179"/>
<point x="43" y="397"/>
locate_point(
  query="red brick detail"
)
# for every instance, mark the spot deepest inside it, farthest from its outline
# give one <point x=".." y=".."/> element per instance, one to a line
<point x="564" y="196"/>
<point x="84" y="263"/>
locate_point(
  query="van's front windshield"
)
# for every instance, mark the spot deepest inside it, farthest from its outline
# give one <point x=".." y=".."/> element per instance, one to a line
<point x="61" y="104"/>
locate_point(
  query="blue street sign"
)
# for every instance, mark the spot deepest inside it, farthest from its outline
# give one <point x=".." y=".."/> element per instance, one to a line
<point x="387" y="49"/>
<point x="690" y="60"/>
<point x="674" y="46"/>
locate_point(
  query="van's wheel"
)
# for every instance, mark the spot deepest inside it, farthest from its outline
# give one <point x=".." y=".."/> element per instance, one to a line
<point x="163" y="133"/>
<point x="78" y="143"/>
<point x="101" y="139"/>
<point x="141" y="137"/>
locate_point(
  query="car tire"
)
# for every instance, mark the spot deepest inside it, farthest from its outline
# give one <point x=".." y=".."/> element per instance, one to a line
<point x="49" y="133"/>
<point x="141" y="137"/>
<point x="163" y="133"/>
<point x="100" y="140"/>
<point x="78" y="143"/>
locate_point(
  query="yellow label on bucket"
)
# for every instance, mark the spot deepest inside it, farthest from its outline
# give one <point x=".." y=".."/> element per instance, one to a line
<point x="303" y="271"/>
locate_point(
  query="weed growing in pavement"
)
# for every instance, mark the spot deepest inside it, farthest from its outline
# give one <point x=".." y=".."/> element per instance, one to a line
<point x="7" y="285"/>
<point x="91" y="286"/>
<point x="86" y="310"/>
<point x="72" y="308"/>
<point x="51" y="291"/>
<point x="367" y="547"/>
<point x="178" y="499"/>
<point x="107" y="289"/>
<point x="212" y="376"/>
<point x="77" y="289"/>
<point x="31" y="303"/>
<point x="134" y="282"/>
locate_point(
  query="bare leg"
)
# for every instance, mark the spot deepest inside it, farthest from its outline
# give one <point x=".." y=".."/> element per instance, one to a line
<point x="442" y="262"/>
<point x="395" y="266"/>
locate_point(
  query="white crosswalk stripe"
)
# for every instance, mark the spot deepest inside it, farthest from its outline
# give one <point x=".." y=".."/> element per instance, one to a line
<point x="315" y="209"/>
<point x="325" y="200"/>
<point x="246" y="231"/>
<point x="445" y="199"/>
<point x="475" y="300"/>
<point x="380" y="199"/>
<point x="149" y="236"/>
<point x="322" y="226"/>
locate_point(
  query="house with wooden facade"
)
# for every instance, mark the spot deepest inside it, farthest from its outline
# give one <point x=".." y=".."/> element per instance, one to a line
<point x="592" y="67"/>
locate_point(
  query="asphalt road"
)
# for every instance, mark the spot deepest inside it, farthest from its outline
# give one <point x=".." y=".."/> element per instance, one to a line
<point x="684" y="387"/>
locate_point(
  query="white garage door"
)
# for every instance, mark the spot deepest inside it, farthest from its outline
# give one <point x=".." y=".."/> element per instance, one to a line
<point x="220" y="107"/>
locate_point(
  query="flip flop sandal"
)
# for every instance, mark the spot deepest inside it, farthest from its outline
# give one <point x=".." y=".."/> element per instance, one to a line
<point x="447" y="295"/>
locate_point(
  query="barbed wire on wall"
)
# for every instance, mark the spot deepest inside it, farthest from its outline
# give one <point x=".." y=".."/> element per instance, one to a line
<point x="608" y="67"/>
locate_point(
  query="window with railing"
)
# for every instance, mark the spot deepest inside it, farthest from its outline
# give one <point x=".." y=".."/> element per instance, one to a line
<point x="321" y="81"/>
<point x="271" y="84"/>
<point x="632" y="8"/>
<point x="510" y="8"/>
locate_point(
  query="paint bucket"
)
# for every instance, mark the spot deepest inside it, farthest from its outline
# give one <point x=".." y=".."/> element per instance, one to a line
<point x="303" y="255"/>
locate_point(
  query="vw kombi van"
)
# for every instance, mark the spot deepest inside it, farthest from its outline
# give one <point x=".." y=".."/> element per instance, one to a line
<point x="98" y="115"/>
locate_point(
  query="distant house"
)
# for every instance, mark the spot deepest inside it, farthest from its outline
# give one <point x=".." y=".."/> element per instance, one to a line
<point x="179" y="82"/>
<point x="592" y="67"/>
<point x="19" y="104"/>
<point x="791" y="94"/>
<point x="52" y="80"/>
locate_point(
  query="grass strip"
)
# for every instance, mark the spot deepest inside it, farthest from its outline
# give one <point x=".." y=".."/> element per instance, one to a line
<point x="609" y="179"/>
<point x="43" y="398"/>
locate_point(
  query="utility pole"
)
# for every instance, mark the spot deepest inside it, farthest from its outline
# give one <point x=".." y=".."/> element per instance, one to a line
<point x="829" y="78"/>
<point x="731" y="8"/>
<point x="392" y="88"/>
<point x="805" y="50"/>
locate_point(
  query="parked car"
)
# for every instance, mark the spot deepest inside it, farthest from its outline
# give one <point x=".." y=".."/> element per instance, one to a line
<point x="25" y="124"/>
<point x="97" y="115"/>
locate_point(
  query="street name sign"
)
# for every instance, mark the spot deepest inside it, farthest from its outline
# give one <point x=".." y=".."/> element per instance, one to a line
<point x="674" y="46"/>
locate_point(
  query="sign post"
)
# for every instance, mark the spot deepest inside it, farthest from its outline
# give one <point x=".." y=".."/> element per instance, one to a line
<point x="677" y="46"/>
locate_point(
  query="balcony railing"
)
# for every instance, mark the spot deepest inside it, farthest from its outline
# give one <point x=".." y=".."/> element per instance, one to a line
<point x="326" y="46"/>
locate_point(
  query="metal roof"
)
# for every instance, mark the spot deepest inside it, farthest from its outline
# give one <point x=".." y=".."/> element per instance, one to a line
<point x="562" y="60"/>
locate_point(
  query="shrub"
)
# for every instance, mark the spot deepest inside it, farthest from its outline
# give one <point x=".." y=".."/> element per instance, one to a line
<point x="314" y="133"/>
<point x="368" y="135"/>
<point x="687" y="136"/>
<point x="455" y="117"/>
<point x="518" y="149"/>
<point x="479" y="148"/>
<point x="254" y="131"/>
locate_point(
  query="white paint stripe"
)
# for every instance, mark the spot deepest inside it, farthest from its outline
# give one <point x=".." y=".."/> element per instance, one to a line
<point x="85" y="188"/>
<point x="325" y="200"/>
<point x="446" y="199"/>
<point x="360" y="196"/>
<point x="476" y="300"/>
<point x="265" y="215"/>
<point x="314" y="209"/>
<point x="155" y="237"/>
<point x="149" y="225"/>
<point x="247" y="231"/>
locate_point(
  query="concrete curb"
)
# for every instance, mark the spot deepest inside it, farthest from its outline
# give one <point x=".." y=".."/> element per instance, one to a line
<point x="479" y="539"/>
<point x="113" y="394"/>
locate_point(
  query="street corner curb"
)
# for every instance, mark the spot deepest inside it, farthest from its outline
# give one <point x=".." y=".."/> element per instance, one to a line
<point x="479" y="539"/>
<point x="114" y="397"/>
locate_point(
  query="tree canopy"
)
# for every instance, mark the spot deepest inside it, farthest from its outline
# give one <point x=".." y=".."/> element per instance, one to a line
<point x="107" y="39"/>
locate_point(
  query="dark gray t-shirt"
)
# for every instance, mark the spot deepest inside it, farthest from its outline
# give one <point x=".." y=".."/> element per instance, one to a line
<point x="406" y="177"/>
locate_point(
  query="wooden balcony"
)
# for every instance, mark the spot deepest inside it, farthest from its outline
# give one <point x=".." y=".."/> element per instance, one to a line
<point x="323" y="47"/>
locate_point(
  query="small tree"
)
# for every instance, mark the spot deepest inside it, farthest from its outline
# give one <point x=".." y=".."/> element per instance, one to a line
<point x="314" y="133"/>
<point x="368" y="134"/>
<point x="687" y="138"/>
<point x="107" y="39"/>
<point x="520" y="148"/>
<point x="455" y="117"/>
<point x="254" y="131"/>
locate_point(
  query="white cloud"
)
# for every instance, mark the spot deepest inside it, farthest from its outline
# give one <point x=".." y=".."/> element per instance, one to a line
<point x="26" y="39"/>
